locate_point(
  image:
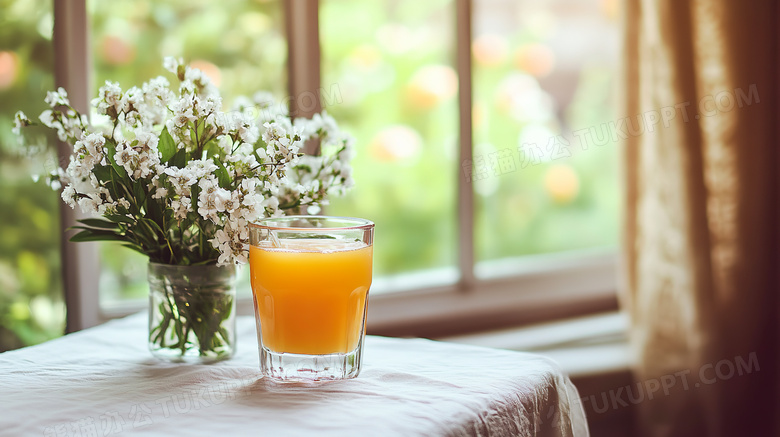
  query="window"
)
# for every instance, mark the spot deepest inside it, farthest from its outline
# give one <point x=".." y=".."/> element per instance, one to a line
<point x="399" y="98"/>
<point x="542" y="70"/>
<point x="31" y="302"/>
<point x="467" y="115"/>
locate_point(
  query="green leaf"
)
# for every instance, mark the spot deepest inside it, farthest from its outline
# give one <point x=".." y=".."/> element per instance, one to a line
<point x="212" y="149"/>
<point x="179" y="159"/>
<point x="222" y="174"/>
<point x="143" y="239"/>
<point x="166" y="146"/>
<point x="111" y="149"/>
<point x="135" y="247"/>
<point x="98" y="223"/>
<point x="154" y="225"/>
<point x="204" y="262"/>
<point x="96" y="235"/>
<point x="140" y="194"/>
<point x="119" y="218"/>
<point x="195" y="192"/>
<point x="180" y="70"/>
<point x="112" y="186"/>
<point x="168" y="218"/>
<point x="146" y="234"/>
<point x="102" y="172"/>
<point x="154" y="210"/>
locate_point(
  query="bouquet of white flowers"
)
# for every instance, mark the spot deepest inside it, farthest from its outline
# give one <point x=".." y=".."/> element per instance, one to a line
<point x="178" y="179"/>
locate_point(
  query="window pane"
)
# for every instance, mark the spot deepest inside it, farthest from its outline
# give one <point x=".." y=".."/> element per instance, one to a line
<point x="31" y="303"/>
<point x="240" y="45"/>
<point x="543" y="71"/>
<point x="392" y="64"/>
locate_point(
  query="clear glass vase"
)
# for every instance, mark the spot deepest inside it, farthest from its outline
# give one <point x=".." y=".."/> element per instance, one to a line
<point x="192" y="312"/>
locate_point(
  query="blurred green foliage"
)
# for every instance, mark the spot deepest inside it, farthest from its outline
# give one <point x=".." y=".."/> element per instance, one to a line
<point x="239" y="44"/>
<point x="31" y="303"/>
<point x="563" y="193"/>
<point x="398" y="87"/>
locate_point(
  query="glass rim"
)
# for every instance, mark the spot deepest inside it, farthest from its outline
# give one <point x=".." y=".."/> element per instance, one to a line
<point x="356" y="223"/>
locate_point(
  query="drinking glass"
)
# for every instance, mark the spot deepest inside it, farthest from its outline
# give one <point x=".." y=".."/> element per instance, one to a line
<point x="310" y="278"/>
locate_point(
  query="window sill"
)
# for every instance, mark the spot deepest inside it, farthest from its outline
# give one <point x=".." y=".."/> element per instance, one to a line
<point x="584" y="347"/>
<point x="509" y="293"/>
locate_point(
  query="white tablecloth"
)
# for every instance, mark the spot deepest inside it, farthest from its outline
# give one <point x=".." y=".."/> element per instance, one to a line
<point x="103" y="382"/>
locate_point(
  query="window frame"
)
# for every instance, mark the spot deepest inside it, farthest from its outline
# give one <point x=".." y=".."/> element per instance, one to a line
<point x="72" y="59"/>
<point x="525" y="290"/>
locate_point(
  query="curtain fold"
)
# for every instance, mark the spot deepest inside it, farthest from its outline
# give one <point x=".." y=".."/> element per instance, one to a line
<point x="701" y="246"/>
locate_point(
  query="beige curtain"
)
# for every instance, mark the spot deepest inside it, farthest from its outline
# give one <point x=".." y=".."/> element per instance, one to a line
<point x="701" y="219"/>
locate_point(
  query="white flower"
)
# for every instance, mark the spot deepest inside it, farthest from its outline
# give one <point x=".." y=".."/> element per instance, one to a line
<point x="347" y="154"/>
<point x="57" y="98"/>
<point x="263" y="99"/>
<point x="271" y="111"/>
<point x="248" y="133"/>
<point x="147" y="139"/>
<point x="88" y="154"/>
<point x="127" y="157"/>
<point x="208" y="104"/>
<point x="223" y="200"/>
<point x="241" y="103"/>
<point x="207" y="209"/>
<point x="68" y="125"/>
<point x="56" y="185"/>
<point x="124" y="155"/>
<point x="20" y="121"/>
<point x="134" y="106"/>
<point x="69" y="196"/>
<point x="231" y="242"/>
<point x="274" y="133"/>
<point x="182" y="111"/>
<point x="47" y="118"/>
<point x="271" y="204"/>
<point x="248" y="186"/>
<point x="208" y="184"/>
<point x="93" y="143"/>
<point x="220" y="237"/>
<point x="225" y="143"/>
<point x="223" y="242"/>
<point x="188" y="87"/>
<point x="109" y="100"/>
<point x="195" y="82"/>
<point x="156" y="90"/>
<point x="76" y="170"/>
<point x="98" y="202"/>
<point x="88" y="205"/>
<point x="157" y="96"/>
<point x="160" y="193"/>
<point x="181" y="179"/>
<point x="181" y="207"/>
<point x="172" y="64"/>
<point x="133" y="99"/>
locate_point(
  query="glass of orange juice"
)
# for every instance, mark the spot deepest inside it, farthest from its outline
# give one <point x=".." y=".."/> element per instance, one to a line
<point x="310" y="278"/>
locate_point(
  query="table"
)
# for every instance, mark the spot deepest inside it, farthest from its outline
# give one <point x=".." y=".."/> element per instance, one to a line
<point x="103" y="382"/>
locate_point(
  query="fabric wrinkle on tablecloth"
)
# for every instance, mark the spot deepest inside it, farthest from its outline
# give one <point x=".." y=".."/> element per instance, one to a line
<point x="103" y="381"/>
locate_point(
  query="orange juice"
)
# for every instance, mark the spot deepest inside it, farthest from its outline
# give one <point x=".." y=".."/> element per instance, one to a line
<point x="311" y="294"/>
